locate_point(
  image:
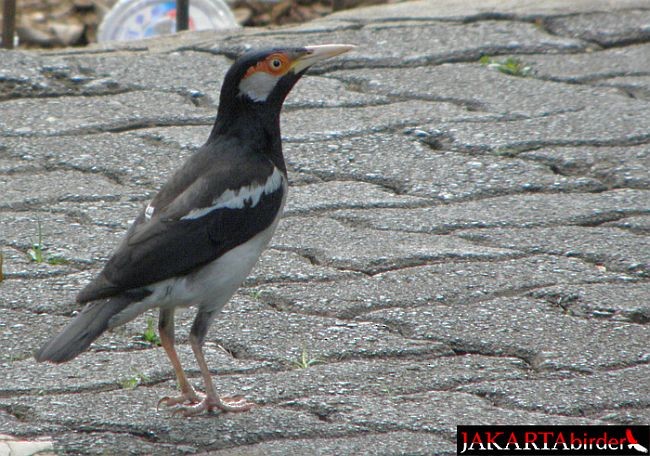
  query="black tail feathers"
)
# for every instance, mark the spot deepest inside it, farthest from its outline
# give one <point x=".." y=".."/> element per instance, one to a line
<point x="77" y="336"/>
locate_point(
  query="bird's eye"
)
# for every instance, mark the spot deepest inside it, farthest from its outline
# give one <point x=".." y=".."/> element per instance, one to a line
<point x="276" y="64"/>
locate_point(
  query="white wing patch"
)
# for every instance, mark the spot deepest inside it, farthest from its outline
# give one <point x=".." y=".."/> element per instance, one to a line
<point x="237" y="199"/>
<point x="258" y="85"/>
<point x="148" y="212"/>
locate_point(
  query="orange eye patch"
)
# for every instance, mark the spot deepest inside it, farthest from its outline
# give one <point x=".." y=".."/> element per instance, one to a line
<point x="275" y="64"/>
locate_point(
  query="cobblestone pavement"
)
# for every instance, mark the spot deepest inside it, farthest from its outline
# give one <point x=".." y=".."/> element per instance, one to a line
<point x="460" y="246"/>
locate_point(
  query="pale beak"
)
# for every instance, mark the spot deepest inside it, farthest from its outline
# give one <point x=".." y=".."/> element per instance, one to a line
<point x="315" y="54"/>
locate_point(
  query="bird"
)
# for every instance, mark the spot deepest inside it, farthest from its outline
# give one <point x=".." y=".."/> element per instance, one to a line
<point x="202" y="233"/>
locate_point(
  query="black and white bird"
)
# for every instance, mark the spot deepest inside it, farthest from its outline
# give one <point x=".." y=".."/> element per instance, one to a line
<point x="201" y="235"/>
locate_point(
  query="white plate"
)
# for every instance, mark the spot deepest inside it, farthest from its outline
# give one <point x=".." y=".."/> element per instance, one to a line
<point x="136" y="19"/>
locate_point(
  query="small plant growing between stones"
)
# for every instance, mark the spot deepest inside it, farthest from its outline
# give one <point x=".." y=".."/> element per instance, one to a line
<point x="511" y="66"/>
<point x="37" y="252"/>
<point x="305" y="360"/>
<point x="150" y="335"/>
<point x="255" y="294"/>
<point x="134" y="381"/>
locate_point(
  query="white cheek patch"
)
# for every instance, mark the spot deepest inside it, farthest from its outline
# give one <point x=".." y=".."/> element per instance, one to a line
<point x="258" y="85"/>
<point x="238" y="199"/>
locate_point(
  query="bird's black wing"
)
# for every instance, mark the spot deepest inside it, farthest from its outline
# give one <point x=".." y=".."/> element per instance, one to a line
<point x="195" y="226"/>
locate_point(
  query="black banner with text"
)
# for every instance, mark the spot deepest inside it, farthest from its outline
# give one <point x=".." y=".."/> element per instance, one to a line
<point x="555" y="440"/>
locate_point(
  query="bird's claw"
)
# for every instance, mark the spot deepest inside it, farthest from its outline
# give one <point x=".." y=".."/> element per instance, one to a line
<point x="171" y="401"/>
<point x="234" y="404"/>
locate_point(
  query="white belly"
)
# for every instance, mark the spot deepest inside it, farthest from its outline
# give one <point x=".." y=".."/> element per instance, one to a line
<point x="213" y="285"/>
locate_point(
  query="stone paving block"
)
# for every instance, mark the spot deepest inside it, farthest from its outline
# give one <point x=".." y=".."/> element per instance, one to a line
<point x="624" y="416"/>
<point x="638" y="225"/>
<point x="592" y="66"/>
<point x="165" y="72"/>
<point x="320" y="337"/>
<point x="454" y="10"/>
<point x="614" y="166"/>
<point x="53" y="294"/>
<point x="369" y="377"/>
<point x="634" y="86"/>
<point x="449" y="283"/>
<point x="423" y="412"/>
<point x="606" y="29"/>
<point x="21" y="334"/>
<point x="325" y="92"/>
<point x="464" y="84"/>
<point x="62" y="236"/>
<point x="577" y="396"/>
<point x="621" y="302"/>
<point x="41" y="189"/>
<point x="620" y="124"/>
<point x="277" y="266"/>
<point x="113" y="214"/>
<point x="333" y="243"/>
<point x="323" y="124"/>
<point x="19" y="263"/>
<point x="327" y="196"/>
<point x="537" y="331"/>
<point x="381" y="443"/>
<point x="116" y="370"/>
<point x="25" y="75"/>
<point x="128" y="158"/>
<point x="182" y="137"/>
<point x="134" y="412"/>
<point x="74" y="115"/>
<point x="457" y="41"/>
<point x="9" y="166"/>
<point x="404" y="164"/>
<point x="373" y="377"/>
<point x="615" y="249"/>
<point x="15" y="428"/>
<point x="527" y="210"/>
<point x="419" y="42"/>
<point x="118" y="442"/>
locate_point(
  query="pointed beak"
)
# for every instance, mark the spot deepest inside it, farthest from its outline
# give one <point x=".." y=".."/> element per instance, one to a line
<point x="314" y="54"/>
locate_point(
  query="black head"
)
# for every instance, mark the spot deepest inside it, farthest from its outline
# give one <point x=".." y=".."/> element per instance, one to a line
<point x="262" y="79"/>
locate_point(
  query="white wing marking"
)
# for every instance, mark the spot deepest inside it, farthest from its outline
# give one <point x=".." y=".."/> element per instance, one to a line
<point x="148" y="212"/>
<point x="237" y="199"/>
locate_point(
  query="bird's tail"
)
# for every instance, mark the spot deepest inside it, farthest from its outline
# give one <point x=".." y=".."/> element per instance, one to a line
<point x="91" y="322"/>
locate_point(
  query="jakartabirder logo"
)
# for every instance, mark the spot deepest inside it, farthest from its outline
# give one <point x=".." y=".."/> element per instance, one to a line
<point x="556" y="440"/>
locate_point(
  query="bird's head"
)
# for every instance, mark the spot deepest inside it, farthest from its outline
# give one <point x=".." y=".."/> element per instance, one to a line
<point x="265" y="77"/>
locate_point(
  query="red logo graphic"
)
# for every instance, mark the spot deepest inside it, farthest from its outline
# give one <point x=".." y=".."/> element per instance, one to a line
<point x="575" y="440"/>
<point x="634" y="443"/>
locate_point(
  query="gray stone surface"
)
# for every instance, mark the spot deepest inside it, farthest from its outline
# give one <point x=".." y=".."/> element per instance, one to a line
<point x="453" y="283"/>
<point x="615" y="167"/>
<point x="459" y="246"/>
<point x="593" y="66"/>
<point x="404" y="164"/>
<point x="606" y="247"/>
<point x="631" y="26"/>
<point x="600" y="300"/>
<point x="527" y="210"/>
<point x="540" y="333"/>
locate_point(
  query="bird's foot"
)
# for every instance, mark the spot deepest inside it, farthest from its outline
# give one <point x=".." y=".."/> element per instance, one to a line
<point x="208" y="404"/>
<point x="190" y="398"/>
